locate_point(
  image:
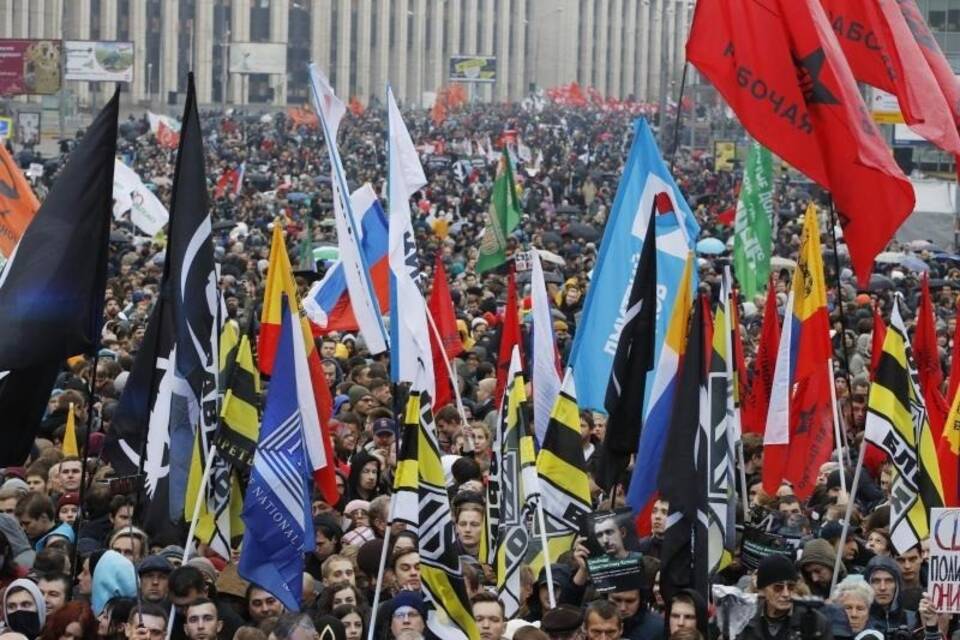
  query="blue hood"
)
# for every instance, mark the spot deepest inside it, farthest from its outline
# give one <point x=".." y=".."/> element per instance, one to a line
<point x="63" y="530"/>
<point x="114" y="577"/>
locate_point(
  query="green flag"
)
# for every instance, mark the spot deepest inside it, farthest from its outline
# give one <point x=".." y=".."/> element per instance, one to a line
<point x="503" y="216"/>
<point x="306" y="262"/>
<point x="752" y="241"/>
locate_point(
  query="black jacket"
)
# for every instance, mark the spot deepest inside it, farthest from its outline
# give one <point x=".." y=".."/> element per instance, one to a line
<point x="803" y="623"/>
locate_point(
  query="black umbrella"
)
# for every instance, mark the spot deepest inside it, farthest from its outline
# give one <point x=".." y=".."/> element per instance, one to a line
<point x="880" y="282"/>
<point x="551" y="236"/>
<point x="583" y="231"/>
<point x="568" y="208"/>
<point x="224" y="225"/>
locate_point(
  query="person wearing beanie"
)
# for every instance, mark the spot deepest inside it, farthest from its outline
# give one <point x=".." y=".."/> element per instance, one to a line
<point x="816" y="566"/>
<point x="777" y="617"/>
<point x="405" y="611"/>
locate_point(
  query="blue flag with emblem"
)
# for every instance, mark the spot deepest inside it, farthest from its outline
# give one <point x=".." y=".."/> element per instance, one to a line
<point x="605" y="309"/>
<point x="276" y="510"/>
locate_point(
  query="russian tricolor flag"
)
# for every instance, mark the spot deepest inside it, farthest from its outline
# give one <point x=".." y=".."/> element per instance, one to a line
<point x="328" y="303"/>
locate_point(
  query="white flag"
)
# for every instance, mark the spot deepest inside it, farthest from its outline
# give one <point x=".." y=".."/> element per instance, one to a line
<point x="409" y="335"/>
<point x="356" y="272"/>
<point x="130" y="194"/>
<point x="546" y="378"/>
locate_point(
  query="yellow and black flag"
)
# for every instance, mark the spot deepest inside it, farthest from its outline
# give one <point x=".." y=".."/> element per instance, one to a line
<point x="421" y="501"/>
<point x="897" y="422"/>
<point x="564" y="483"/>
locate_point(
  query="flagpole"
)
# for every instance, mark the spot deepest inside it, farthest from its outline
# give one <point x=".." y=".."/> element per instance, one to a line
<point x="843" y="315"/>
<point x="86" y="449"/>
<point x="204" y="480"/>
<point x="846" y="517"/>
<point x="839" y="433"/>
<point x="546" y="553"/>
<point x="446" y="362"/>
<point x="380" y="570"/>
<point x="676" y="126"/>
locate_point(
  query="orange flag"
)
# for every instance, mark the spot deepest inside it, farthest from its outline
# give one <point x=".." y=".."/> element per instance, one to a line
<point x="17" y="203"/>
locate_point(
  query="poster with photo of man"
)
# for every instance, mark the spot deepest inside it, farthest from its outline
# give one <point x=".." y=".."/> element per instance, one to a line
<point x="28" y="128"/>
<point x="614" y="560"/>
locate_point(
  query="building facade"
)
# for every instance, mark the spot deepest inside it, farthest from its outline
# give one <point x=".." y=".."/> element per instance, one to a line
<point x="621" y="47"/>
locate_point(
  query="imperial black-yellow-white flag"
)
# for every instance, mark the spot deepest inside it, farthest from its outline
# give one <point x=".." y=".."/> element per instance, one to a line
<point x="519" y="491"/>
<point x="564" y="484"/>
<point x="897" y="423"/>
<point x="420" y="476"/>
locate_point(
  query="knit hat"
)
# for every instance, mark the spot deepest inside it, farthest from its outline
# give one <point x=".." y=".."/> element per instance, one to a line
<point x="775" y="568"/>
<point x="71" y="497"/>
<point x="356" y="393"/>
<point x="817" y="551"/>
<point x="368" y="557"/>
<point x="408" y="599"/>
<point x="353" y="505"/>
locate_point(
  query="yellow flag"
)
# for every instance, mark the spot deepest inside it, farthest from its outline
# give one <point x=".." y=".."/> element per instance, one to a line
<point x="69" y="446"/>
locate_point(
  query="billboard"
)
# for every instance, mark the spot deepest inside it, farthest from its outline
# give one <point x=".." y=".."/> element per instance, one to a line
<point x="885" y="108"/>
<point x="98" y="61"/>
<point x="28" y="127"/>
<point x="473" y="69"/>
<point x="258" y="57"/>
<point x="29" y="67"/>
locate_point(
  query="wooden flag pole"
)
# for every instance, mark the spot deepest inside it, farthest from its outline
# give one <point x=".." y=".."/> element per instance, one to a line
<point x="378" y="587"/>
<point x="846" y="517"/>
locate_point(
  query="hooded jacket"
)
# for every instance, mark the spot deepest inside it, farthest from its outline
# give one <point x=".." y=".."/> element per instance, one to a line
<point x="819" y="551"/>
<point x="360" y="459"/>
<point x="30" y="587"/>
<point x="894" y="616"/>
<point x="23" y="553"/>
<point x="114" y="577"/>
<point x="63" y="530"/>
<point x="699" y="605"/>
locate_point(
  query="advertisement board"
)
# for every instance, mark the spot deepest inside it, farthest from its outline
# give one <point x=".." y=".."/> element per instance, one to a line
<point x="98" y="61"/>
<point x="28" y="127"/>
<point x="724" y="155"/>
<point x="258" y="57"/>
<point x="884" y="107"/>
<point x="29" y="67"/>
<point x="473" y="69"/>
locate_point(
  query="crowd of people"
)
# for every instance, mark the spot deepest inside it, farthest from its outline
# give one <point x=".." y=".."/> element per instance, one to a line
<point x="84" y="571"/>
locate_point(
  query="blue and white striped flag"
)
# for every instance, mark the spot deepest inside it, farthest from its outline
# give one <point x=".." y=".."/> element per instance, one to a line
<point x="276" y="510"/>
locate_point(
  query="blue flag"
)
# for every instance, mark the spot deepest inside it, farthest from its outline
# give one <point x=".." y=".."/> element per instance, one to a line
<point x="598" y="331"/>
<point x="276" y="510"/>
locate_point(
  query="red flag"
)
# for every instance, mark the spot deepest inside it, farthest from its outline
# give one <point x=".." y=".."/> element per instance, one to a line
<point x="927" y="357"/>
<point x="954" y="381"/>
<point x="440" y="306"/>
<point x="883" y="52"/>
<point x="227" y="182"/>
<point x="779" y="66"/>
<point x="942" y="70"/>
<point x="757" y="398"/>
<point x="727" y="217"/>
<point x="876" y="344"/>
<point x="509" y="335"/>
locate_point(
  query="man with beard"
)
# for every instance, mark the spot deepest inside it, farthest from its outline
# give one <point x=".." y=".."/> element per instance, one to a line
<point x="816" y="565"/>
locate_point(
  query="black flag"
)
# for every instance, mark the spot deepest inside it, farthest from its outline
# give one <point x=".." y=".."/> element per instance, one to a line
<point x="51" y="292"/>
<point x="634" y="358"/>
<point x="683" y="482"/>
<point x="190" y="287"/>
<point x="24" y="395"/>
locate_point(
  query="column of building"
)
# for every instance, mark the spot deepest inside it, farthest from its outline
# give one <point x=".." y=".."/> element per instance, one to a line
<point x="398" y="57"/>
<point x="487" y="24"/>
<point x="615" y="83"/>
<point x="279" y="32"/>
<point x="656" y="49"/>
<point x="437" y="64"/>
<point x="601" y="68"/>
<point x="518" y="21"/>
<point x="381" y="50"/>
<point x="683" y="18"/>
<point x="138" y="35"/>
<point x="502" y="86"/>
<point x="364" y="64"/>
<point x="418" y="53"/>
<point x="343" y="31"/>
<point x="586" y="43"/>
<point x="108" y="31"/>
<point x="629" y="49"/>
<point x="77" y="27"/>
<point x="643" y="50"/>
<point x="169" y="48"/>
<point x="670" y="25"/>
<point x="239" y="32"/>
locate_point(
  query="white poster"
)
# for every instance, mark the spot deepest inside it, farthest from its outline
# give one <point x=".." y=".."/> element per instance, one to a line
<point x="944" y="566"/>
<point x="130" y="194"/>
<point x="98" y="61"/>
<point x="258" y="57"/>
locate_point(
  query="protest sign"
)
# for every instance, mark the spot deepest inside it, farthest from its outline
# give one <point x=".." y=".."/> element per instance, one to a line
<point x="944" y="568"/>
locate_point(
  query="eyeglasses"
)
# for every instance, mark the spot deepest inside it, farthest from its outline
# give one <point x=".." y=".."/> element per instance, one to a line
<point x="780" y="587"/>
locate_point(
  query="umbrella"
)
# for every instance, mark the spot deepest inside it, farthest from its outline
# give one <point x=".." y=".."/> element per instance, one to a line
<point x="711" y="246"/>
<point x="582" y="231"/>
<point x="550" y="256"/>
<point x="890" y="257"/>
<point x="568" y="208"/>
<point x="778" y="262"/>
<point x="297" y="196"/>
<point x="326" y="253"/>
<point x="921" y="245"/>
<point x="914" y="264"/>
<point x="523" y="277"/>
<point x="880" y="282"/>
<point x="551" y="237"/>
<point x="120" y="236"/>
<point x="224" y="225"/>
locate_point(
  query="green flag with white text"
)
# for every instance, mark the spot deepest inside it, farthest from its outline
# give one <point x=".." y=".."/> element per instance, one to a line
<point x="503" y="216"/>
<point x="752" y="241"/>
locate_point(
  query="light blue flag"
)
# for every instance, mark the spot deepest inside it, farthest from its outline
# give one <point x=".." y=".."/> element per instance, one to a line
<point x="276" y="509"/>
<point x="598" y="331"/>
